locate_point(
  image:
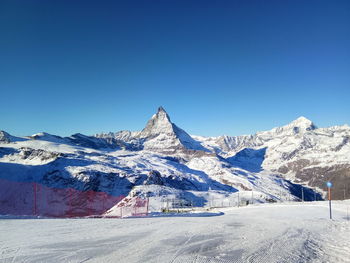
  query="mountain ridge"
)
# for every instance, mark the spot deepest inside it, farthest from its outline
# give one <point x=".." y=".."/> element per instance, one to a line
<point x="293" y="153"/>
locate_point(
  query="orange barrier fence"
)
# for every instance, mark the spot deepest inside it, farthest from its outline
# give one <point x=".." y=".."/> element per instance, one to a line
<point x="34" y="199"/>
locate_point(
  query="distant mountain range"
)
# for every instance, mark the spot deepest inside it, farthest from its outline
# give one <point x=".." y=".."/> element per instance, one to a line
<point x="164" y="160"/>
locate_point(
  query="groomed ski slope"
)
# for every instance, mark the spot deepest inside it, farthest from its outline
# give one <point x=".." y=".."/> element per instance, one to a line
<point x="287" y="232"/>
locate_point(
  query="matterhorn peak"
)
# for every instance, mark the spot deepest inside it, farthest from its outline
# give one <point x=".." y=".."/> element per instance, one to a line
<point x="159" y="123"/>
<point x="162" y="114"/>
<point x="160" y="132"/>
<point x="161" y="109"/>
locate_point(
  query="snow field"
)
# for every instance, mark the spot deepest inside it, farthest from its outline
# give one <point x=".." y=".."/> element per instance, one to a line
<point x="289" y="232"/>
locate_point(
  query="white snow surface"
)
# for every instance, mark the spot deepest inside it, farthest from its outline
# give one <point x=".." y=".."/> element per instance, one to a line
<point x="300" y="232"/>
<point x="298" y="140"/>
<point x="81" y="163"/>
<point x="123" y="160"/>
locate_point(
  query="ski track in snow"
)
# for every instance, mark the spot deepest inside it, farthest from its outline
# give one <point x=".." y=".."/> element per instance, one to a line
<point x="262" y="233"/>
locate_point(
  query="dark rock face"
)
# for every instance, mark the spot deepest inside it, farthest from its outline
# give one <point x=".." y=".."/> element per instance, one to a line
<point x="28" y="153"/>
<point x="339" y="175"/>
<point x="294" y="166"/>
<point x="154" y="177"/>
<point x="111" y="183"/>
<point x="345" y="141"/>
<point x="180" y="183"/>
<point x="316" y="177"/>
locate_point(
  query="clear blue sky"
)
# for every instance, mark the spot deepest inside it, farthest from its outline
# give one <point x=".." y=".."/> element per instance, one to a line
<point x="217" y="67"/>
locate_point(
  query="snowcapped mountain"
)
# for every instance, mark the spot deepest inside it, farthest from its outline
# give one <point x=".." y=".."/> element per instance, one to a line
<point x="7" y="138"/>
<point x="228" y="145"/>
<point x="299" y="151"/>
<point x="164" y="160"/>
<point x="160" y="135"/>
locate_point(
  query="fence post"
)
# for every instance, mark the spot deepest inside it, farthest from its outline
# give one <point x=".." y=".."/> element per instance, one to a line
<point x="90" y="204"/>
<point x="69" y="202"/>
<point x="34" y="190"/>
<point x="104" y="195"/>
<point x="147" y="206"/>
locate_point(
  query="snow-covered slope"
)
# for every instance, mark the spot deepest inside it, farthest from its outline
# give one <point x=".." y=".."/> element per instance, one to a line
<point x="258" y="234"/>
<point x="300" y="151"/>
<point x="117" y="172"/>
<point x="163" y="159"/>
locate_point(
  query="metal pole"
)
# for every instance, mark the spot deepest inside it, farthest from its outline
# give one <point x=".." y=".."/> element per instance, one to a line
<point x="330" y="203"/>
<point x="238" y="199"/>
<point x="281" y="195"/>
<point x="252" y="197"/>
<point x="302" y="194"/>
<point x="34" y="190"/>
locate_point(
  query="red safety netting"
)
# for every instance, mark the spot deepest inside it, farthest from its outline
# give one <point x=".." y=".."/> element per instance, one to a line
<point x="129" y="207"/>
<point x="33" y="199"/>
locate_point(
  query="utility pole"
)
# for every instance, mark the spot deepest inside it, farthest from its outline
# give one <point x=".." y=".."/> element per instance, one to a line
<point x="329" y="185"/>
<point x="302" y="194"/>
<point x="281" y="195"/>
<point x="35" y="207"/>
